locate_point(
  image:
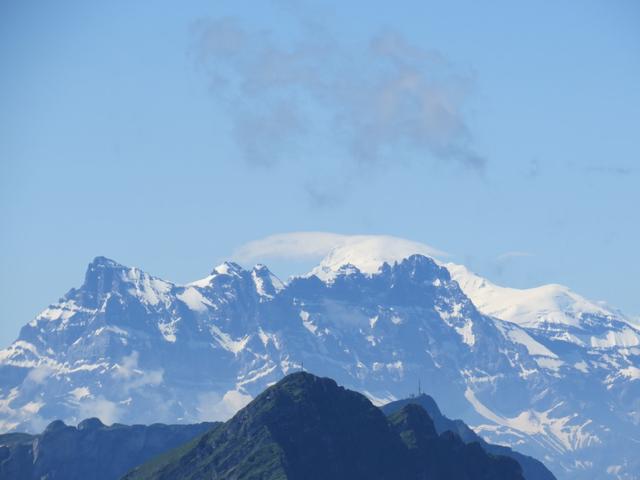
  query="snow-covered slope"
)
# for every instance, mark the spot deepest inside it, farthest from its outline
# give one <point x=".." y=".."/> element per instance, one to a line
<point x="129" y="347"/>
<point x="531" y="307"/>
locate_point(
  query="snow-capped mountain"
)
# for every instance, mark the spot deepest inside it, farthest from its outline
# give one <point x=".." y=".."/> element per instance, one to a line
<point x="130" y="347"/>
<point x="543" y="307"/>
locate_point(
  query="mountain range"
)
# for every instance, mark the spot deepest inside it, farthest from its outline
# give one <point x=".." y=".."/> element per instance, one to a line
<point x="532" y="469"/>
<point x="543" y="371"/>
<point x="90" y="450"/>
<point x="306" y="427"/>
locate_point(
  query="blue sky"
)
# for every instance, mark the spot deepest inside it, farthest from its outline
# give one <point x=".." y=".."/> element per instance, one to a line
<point x="168" y="134"/>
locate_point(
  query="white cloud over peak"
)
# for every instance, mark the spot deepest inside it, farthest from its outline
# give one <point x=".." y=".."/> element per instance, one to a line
<point x="367" y="252"/>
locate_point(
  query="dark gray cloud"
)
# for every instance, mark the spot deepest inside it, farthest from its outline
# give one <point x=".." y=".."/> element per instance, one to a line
<point x="382" y="103"/>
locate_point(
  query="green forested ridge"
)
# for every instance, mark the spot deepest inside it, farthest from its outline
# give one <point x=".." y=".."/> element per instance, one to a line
<point x="307" y="428"/>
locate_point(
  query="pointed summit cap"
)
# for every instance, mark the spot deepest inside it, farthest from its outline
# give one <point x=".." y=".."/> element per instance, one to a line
<point x="267" y="284"/>
<point x="104" y="262"/>
<point x="102" y="276"/>
<point x="227" y="268"/>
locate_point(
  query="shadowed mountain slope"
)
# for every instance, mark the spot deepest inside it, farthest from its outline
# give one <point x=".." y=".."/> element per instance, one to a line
<point x="306" y="427"/>
<point x="89" y="451"/>
<point x="532" y="469"/>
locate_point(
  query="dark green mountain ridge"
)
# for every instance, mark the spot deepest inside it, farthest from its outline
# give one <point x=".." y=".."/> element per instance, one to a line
<point x="532" y="469"/>
<point x="306" y="427"/>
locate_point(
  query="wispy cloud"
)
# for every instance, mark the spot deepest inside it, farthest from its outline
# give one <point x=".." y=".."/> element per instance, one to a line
<point x="213" y="407"/>
<point x="382" y="103"/>
<point x="107" y="411"/>
<point x="39" y="374"/>
<point x="315" y="245"/>
<point x="133" y="376"/>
